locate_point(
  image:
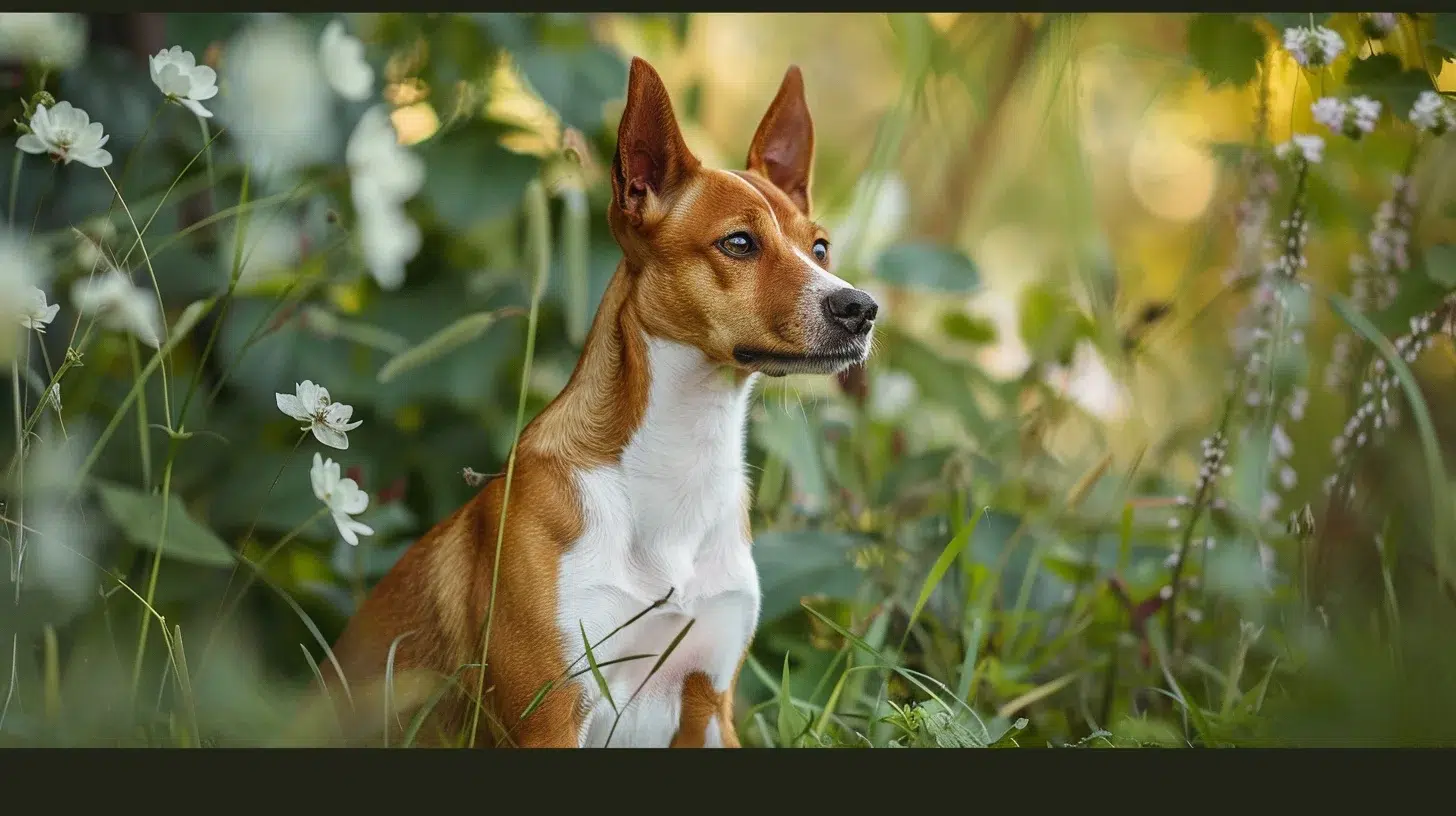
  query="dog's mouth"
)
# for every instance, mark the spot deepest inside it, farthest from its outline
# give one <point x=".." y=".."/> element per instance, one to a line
<point x="778" y="363"/>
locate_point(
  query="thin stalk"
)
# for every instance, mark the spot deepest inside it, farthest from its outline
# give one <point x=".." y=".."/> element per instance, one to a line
<point x="136" y="667"/>
<point x="141" y="414"/>
<point x="257" y="514"/>
<point x="538" y="219"/>
<point x="161" y="307"/>
<point x="256" y="568"/>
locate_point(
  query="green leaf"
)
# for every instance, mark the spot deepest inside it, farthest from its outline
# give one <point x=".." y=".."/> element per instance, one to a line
<point x="1051" y="324"/>
<point x="942" y="565"/>
<point x="940" y="379"/>
<point x="442" y="342"/>
<point x="978" y="331"/>
<point x="1226" y="49"/>
<point x="576" y="82"/>
<point x="794" y="564"/>
<point x="785" y="430"/>
<point x="1441" y="265"/>
<point x="914" y="476"/>
<point x="1443" y="34"/>
<point x="140" y="518"/>
<point x="591" y="659"/>
<point x="470" y="178"/>
<point x="927" y="266"/>
<point x="791" y="721"/>
<point x="1384" y="78"/>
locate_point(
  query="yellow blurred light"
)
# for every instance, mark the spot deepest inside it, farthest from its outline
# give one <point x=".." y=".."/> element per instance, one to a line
<point x="406" y="92"/>
<point x="415" y="123"/>
<point x="1170" y="172"/>
<point x="1446" y="80"/>
<point x="346" y="298"/>
<point x="409" y="418"/>
<point x="943" y="20"/>
<point x="511" y="101"/>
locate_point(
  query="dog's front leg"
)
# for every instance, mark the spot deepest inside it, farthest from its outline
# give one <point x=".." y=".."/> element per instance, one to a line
<point x="555" y="724"/>
<point x="707" y="715"/>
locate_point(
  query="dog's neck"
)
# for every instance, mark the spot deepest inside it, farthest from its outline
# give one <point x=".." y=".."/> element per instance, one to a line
<point x="641" y="401"/>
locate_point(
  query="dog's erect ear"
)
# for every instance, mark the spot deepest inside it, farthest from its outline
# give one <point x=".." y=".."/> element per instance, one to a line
<point x="651" y="154"/>
<point x="783" y="147"/>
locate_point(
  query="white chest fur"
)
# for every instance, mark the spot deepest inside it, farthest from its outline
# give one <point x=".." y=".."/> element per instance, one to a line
<point x="669" y="517"/>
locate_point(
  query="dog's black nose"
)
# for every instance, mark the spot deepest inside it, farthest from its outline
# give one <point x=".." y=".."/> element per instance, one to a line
<point x="852" y="309"/>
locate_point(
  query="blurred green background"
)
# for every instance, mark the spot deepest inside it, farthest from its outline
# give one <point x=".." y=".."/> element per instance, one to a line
<point x="983" y="522"/>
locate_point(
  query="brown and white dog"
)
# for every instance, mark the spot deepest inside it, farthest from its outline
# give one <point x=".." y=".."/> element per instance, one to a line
<point x="630" y="486"/>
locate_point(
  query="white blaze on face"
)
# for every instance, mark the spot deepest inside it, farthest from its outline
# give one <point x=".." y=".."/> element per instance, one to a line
<point x="820" y="283"/>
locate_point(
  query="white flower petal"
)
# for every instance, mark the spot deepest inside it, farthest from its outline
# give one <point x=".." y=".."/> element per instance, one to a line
<point x="293" y="407"/>
<point x="348" y="498"/>
<point x="31" y="143"/>
<point x="314" y="397"/>
<point x="97" y="159"/>
<point x="318" y="478"/>
<point x="196" y="107"/>
<point x="330" y="437"/>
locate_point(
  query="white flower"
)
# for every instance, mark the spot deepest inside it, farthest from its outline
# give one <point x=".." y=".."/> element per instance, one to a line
<point x="383" y="175"/>
<point x="1354" y="118"/>
<point x="1367" y="111"/>
<point x="342" y="496"/>
<point x="62" y="554"/>
<point x="342" y="59"/>
<point x="1432" y="112"/>
<point x="328" y="420"/>
<point x="119" y="305"/>
<point x="1330" y="111"/>
<point x="1313" y="47"/>
<point x="1310" y="148"/>
<point x="20" y="267"/>
<point x="381" y="170"/>
<point x="67" y="134"/>
<point x="278" y="106"/>
<point x="56" y="40"/>
<point x="37" y="315"/>
<point x="389" y="240"/>
<point x="179" y="77"/>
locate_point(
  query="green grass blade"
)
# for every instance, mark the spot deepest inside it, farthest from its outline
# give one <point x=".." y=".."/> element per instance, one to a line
<point x="591" y="659"/>
<point x="942" y="565"/>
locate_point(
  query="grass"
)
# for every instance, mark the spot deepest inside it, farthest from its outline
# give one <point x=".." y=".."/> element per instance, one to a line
<point x="990" y="563"/>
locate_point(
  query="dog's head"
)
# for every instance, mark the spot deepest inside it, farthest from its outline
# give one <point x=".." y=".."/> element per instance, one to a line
<point x="730" y="261"/>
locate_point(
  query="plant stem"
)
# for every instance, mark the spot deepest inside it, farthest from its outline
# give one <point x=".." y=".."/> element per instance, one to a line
<point x="136" y="668"/>
<point x="256" y="568"/>
<point x="540" y="233"/>
<point x="141" y="414"/>
<point x="258" y="513"/>
<point x="161" y="307"/>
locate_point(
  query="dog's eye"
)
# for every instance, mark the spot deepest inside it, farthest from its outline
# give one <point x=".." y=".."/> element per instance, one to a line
<point x="739" y="244"/>
<point x="821" y="250"/>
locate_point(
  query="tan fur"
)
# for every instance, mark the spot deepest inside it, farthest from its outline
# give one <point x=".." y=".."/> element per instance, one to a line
<point x="674" y="283"/>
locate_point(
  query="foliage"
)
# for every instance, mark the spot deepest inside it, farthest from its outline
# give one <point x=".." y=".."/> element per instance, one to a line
<point x="951" y="555"/>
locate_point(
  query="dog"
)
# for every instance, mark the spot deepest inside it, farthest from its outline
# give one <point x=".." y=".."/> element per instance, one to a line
<point x="627" y="527"/>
